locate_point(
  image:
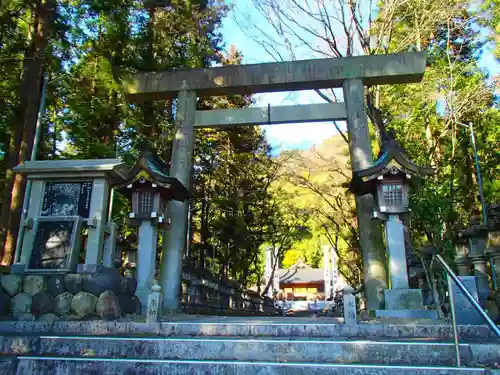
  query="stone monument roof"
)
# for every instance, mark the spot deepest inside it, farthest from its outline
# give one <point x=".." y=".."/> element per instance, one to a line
<point x="66" y="165"/>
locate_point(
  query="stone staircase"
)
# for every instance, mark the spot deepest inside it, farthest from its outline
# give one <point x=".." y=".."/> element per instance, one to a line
<point x="242" y="346"/>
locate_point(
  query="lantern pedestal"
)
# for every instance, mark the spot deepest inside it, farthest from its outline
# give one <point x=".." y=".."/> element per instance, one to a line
<point x="146" y="260"/>
<point x="394" y="234"/>
<point x="400" y="296"/>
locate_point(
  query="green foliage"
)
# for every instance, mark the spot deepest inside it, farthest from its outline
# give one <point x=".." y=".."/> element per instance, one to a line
<point x="490" y="16"/>
<point x="314" y="181"/>
<point x="243" y="199"/>
<point x="94" y="44"/>
<point x="446" y="201"/>
<point x="448" y="32"/>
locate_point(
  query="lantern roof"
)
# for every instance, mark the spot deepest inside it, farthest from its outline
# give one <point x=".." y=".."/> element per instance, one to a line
<point x="476" y="230"/>
<point x="151" y="168"/>
<point x="393" y="161"/>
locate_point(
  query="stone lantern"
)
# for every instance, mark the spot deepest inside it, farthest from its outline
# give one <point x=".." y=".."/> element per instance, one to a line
<point x="389" y="181"/>
<point x="476" y="237"/>
<point x="150" y="188"/>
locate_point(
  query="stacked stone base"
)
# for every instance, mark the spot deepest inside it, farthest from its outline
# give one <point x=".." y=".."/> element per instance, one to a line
<point x="104" y="295"/>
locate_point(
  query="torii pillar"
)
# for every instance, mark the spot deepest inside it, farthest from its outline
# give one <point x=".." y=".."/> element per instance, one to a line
<point x="350" y="73"/>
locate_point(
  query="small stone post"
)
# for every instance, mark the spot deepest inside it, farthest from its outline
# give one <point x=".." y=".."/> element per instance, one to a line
<point x="154" y="304"/>
<point x="349" y="306"/>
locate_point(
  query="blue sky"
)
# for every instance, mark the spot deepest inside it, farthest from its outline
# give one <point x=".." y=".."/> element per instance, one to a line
<point x="290" y="136"/>
<point x="283" y="136"/>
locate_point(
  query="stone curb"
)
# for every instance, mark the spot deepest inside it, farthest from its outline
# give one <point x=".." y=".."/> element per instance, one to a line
<point x="244" y="329"/>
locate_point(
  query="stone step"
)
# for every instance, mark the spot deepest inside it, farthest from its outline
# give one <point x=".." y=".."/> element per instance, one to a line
<point x="8" y="365"/>
<point x="417" y="352"/>
<point x="93" y="366"/>
<point x="257" y="327"/>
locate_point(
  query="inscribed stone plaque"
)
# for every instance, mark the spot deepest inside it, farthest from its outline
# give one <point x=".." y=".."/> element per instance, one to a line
<point x="154" y="304"/>
<point x="396" y="299"/>
<point x="465" y="312"/>
<point x="349" y="309"/>
<point x="67" y="199"/>
<point x="53" y="245"/>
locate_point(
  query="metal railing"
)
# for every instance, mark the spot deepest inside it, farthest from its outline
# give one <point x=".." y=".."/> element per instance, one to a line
<point x="451" y="277"/>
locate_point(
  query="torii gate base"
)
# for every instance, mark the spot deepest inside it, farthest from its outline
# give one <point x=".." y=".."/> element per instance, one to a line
<point x="351" y="73"/>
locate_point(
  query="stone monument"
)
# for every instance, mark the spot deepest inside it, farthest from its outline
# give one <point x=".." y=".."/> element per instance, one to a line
<point x="63" y="266"/>
<point x="66" y="195"/>
<point x="389" y="179"/>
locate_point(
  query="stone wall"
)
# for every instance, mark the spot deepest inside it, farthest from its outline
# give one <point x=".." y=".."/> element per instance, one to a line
<point x="102" y="295"/>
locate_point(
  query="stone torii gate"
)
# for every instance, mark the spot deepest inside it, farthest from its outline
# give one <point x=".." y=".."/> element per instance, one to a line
<point x="350" y="73"/>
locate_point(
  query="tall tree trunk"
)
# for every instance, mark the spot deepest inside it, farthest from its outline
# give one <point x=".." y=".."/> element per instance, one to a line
<point x="148" y="109"/>
<point x="23" y="138"/>
<point x="13" y="144"/>
<point x="117" y="62"/>
<point x="12" y="154"/>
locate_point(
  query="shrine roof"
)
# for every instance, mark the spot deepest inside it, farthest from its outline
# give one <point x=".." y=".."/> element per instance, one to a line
<point x="301" y="275"/>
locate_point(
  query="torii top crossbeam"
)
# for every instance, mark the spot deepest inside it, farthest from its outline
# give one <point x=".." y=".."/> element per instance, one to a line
<point x="282" y="76"/>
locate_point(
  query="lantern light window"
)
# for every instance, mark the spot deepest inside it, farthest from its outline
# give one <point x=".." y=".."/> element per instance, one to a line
<point x="393" y="194"/>
<point x="146" y="200"/>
